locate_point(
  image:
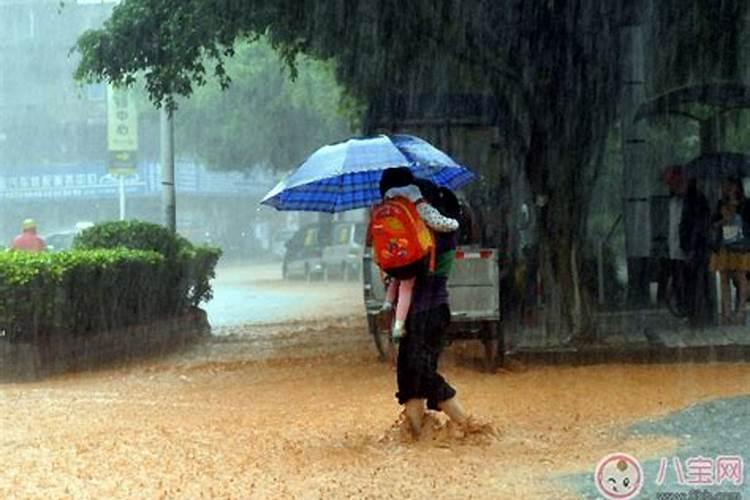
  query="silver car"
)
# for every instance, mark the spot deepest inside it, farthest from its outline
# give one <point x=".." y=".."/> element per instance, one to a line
<point x="342" y="258"/>
<point x="303" y="257"/>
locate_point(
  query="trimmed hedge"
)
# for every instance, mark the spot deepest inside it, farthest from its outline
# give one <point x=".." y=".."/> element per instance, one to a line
<point x="118" y="274"/>
<point x="76" y="292"/>
<point x="188" y="269"/>
<point x="135" y="235"/>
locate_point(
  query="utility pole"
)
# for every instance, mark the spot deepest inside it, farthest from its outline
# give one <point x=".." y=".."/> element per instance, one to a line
<point x="169" y="204"/>
<point x="637" y="175"/>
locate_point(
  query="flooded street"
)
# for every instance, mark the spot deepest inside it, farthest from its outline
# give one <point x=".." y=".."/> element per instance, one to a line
<point x="570" y="177"/>
<point x="256" y="294"/>
<point x="304" y="410"/>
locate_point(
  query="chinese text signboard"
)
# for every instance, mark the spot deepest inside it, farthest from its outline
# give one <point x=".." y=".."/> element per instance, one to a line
<point x="122" y="131"/>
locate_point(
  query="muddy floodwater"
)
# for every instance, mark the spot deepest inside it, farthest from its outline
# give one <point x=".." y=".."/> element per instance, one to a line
<point x="302" y="409"/>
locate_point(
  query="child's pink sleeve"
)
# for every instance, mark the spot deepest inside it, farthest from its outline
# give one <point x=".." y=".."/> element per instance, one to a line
<point x="405" y="289"/>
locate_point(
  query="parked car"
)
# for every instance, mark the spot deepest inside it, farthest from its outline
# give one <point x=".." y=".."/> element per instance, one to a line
<point x="59" y="241"/>
<point x="303" y="257"/>
<point x="342" y="258"/>
<point x="63" y="240"/>
<point x="279" y="241"/>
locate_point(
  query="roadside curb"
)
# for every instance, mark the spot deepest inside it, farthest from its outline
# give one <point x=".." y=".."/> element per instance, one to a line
<point x="634" y="355"/>
<point x="29" y="361"/>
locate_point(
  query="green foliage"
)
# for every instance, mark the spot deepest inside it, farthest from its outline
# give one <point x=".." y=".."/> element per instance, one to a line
<point x="187" y="269"/>
<point x="78" y="292"/>
<point x="135" y="235"/>
<point x="697" y="41"/>
<point x="738" y="132"/>
<point x="119" y="274"/>
<point x="264" y="117"/>
<point x="201" y="269"/>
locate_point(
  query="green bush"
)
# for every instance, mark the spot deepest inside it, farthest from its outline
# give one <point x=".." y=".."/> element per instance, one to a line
<point x="201" y="262"/>
<point x="76" y="292"/>
<point x="118" y="274"/>
<point x="136" y="235"/>
<point x="188" y="269"/>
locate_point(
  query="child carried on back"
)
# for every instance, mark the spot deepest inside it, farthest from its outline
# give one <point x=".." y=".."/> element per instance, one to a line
<point x="403" y="243"/>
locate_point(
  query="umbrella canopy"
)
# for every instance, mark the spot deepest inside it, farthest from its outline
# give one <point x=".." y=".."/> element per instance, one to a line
<point x="718" y="166"/>
<point x="346" y="175"/>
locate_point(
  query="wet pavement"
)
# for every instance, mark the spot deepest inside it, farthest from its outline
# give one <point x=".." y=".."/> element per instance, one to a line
<point x="256" y="294"/>
<point x="300" y="408"/>
<point x="235" y="304"/>
<point x="705" y="434"/>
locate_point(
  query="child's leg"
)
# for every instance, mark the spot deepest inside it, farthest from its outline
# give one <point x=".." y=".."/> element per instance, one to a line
<point x="391" y="293"/>
<point x="405" y="289"/>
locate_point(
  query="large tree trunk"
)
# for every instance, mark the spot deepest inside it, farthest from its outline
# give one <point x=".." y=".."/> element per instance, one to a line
<point x="568" y="306"/>
<point x="563" y="194"/>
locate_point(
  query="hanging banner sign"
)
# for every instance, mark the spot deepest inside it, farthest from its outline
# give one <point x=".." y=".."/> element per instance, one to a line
<point x="122" y="131"/>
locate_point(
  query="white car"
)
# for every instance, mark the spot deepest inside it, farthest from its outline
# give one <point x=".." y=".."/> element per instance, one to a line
<point x="63" y="240"/>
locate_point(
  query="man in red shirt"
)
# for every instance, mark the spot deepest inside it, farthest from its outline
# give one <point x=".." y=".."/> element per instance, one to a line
<point x="28" y="240"/>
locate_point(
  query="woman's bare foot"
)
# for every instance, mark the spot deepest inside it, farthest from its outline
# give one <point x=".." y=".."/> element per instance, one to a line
<point x="475" y="425"/>
<point x="454" y="410"/>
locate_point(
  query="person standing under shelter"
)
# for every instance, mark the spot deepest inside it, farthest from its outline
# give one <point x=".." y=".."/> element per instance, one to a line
<point x="677" y="267"/>
<point x="695" y="230"/>
<point x="732" y="258"/>
<point x="28" y="240"/>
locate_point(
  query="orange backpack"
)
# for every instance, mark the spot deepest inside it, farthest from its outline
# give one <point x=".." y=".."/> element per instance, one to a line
<point x="400" y="237"/>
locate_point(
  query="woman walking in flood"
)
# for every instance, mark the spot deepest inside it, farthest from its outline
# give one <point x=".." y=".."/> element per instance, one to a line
<point x="419" y="382"/>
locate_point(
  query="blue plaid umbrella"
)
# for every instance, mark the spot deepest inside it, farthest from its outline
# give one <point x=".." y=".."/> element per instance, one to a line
<point x="346" y="175"/>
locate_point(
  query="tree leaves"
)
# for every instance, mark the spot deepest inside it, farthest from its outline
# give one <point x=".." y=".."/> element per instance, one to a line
<point x="263" y="118"/>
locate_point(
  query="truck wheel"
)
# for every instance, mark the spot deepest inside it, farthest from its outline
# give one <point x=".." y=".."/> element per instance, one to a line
<point x="380" y="340"/>
<point x="493" y="347"/>
<point x="490" y="348"/>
